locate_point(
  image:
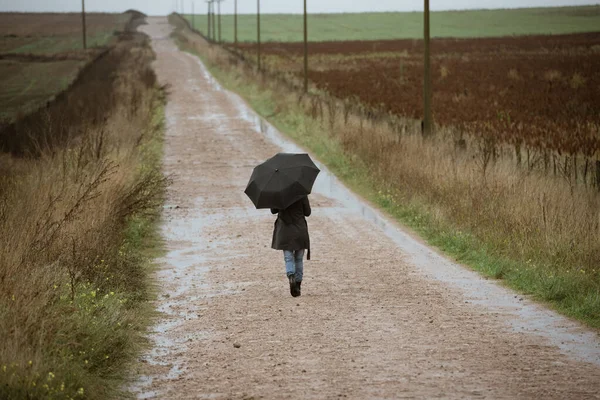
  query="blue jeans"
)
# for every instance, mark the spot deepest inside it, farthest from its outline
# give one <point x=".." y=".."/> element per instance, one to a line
<point x="294" y="263"/>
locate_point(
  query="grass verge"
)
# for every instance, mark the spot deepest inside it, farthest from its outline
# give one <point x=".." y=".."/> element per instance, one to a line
<point x="78" y="224"/>
<point x="533" y="256"/>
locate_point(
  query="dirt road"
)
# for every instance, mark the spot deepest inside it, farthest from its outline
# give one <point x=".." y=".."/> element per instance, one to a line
<point x="380" y="315"/>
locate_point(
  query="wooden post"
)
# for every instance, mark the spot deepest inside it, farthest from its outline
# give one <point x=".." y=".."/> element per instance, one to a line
<point x="305" y="50"/>
<point x="208" y="16"/>
<point x="427" y="123"/>
<point x="598" y="174"/>
<point x="83" y="23"/>
<point x="258" y="30"/>
<point x="235" y="31"/>
<point x="219" y="18"/>
<point x="193" y="21"/>
<point x="214" y="25"/>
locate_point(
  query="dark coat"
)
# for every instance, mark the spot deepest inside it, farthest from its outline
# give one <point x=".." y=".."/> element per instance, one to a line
<point x="291" y="230"/>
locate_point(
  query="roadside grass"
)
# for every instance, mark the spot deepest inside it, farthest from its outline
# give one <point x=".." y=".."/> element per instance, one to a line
<point x="492" y="223"/>
<point x="78" y="224"/>
<point x="408" y="25"/>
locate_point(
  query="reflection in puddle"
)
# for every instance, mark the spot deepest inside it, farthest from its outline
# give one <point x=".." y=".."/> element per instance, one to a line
<point x="183" y="287"/>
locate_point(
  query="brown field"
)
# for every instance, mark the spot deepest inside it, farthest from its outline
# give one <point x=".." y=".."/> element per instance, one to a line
<point x="541" y="91"/>
<point x="41" y="55"/>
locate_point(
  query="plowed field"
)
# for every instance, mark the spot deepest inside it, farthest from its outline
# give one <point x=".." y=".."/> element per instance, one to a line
<point x="541" y="90"/>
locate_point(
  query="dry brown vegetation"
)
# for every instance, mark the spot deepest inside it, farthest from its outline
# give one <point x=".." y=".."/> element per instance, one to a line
<point x="534" y="99"/>
<point x="539" y="232"/>
<point x="76" y="203"/>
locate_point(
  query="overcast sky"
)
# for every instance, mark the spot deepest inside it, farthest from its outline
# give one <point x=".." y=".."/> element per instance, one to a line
<point x="163" y="7"/>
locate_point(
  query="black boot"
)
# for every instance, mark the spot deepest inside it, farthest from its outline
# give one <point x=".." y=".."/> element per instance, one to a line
<point x="293" y="286"/>
<point x="298" y="286"/>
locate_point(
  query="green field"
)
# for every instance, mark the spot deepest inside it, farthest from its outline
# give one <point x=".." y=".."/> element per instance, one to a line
<point x="27" y="85"/>
<point x="42" y="54"/>
<point x="48" y="45"/>
<point x="48" y="34"/>
<point x="406" y="25"/>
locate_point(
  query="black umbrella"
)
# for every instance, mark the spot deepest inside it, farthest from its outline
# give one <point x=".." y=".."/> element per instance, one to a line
<point x="282" y="180"/>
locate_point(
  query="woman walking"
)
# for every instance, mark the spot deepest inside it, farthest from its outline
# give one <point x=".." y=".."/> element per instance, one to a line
<point x="290" y="234"/>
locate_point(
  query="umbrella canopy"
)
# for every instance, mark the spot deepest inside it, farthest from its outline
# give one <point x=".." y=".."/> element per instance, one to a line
<point x="282" y="180"/>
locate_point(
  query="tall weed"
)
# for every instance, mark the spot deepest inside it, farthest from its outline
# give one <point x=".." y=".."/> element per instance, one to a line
<point x="78" y="198"/>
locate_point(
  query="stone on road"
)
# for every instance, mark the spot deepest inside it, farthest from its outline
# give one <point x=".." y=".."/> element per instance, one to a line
<point x="369" y="323"/>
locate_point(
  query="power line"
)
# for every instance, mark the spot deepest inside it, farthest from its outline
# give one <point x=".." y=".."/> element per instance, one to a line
<point x="235" y="22"/>
<point x="214" y="25"/>
<point x="258" y="30"/>
<point x="427" y="123"/>
<point x="208" y="4"/>
<point x="305" y="49"/>
<point x="219" y="19"/>
<point x="193" y="21"/>
<point x="83" y="24"/>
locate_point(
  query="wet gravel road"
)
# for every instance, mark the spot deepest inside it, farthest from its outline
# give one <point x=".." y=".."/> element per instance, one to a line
<point x="380" y="315"/>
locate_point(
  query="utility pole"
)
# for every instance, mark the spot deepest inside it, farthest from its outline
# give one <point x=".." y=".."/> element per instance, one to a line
<point x="427" y="122"/>
<point x="83" y="23"/>
<point x="305" y="50"/>
<point x="219" y="10"/>
<point x="193" y="22"/>
<point x="208" y="2"/>
<point x="258" y="30"/>
<point x="235" y="41"/>
<point x="214" y="25"/>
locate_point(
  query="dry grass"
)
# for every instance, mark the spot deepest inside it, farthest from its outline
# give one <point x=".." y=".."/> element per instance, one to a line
<point x="72" y="215"/>
<point x="513" y="74"/>
<point x="577" y="81"/>
<point x="444" y="72"/>
<point x="552" y="75"/>
<point x="541" y="233"/>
